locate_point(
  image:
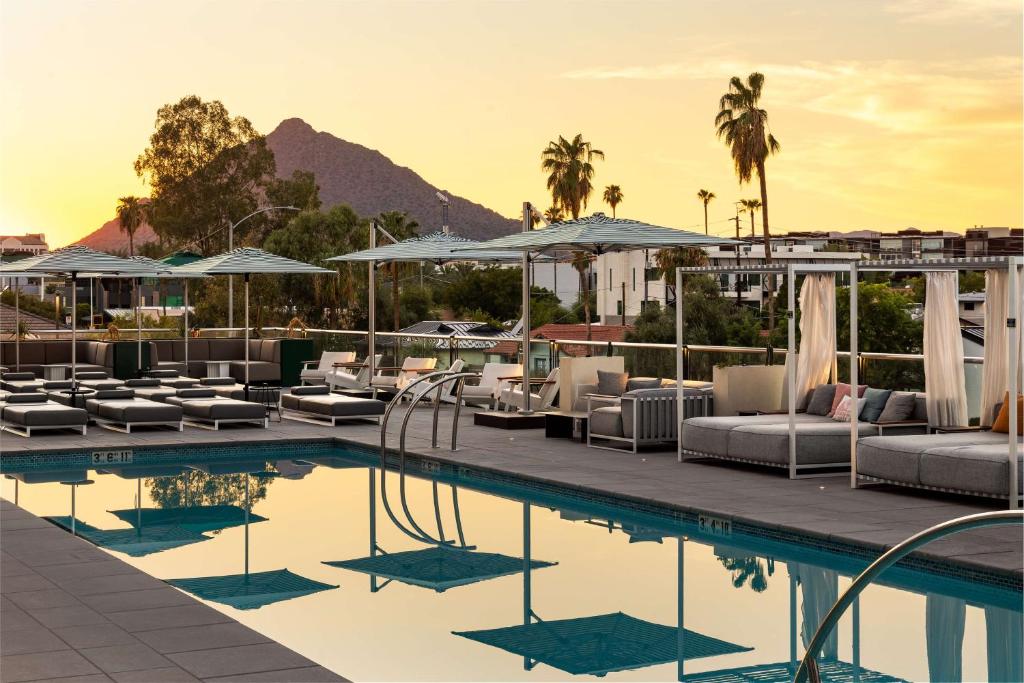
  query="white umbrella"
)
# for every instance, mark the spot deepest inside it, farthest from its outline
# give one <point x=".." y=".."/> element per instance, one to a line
<point x="245" y="261"/>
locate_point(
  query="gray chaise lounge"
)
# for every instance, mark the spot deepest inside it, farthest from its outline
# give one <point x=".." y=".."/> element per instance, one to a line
<point x="318" y="405"/>
<point x="121" y="409"/>
<point x="972" y="463"/>
<point x="24" y="413"/>
<point x="822" y="444"/>
<point x="203" y="408"/>
<point x="20" y="382"/>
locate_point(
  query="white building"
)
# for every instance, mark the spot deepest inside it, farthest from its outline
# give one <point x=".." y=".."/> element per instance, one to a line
<point x="33" y="243"/>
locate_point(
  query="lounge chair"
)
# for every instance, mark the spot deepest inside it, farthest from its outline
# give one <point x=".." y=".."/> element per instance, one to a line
<point x="150" y="388"/>
<point x="223" y="386"/>
<point x="23" y="413"/>
<point x="97" y="380"/>
<point x="172" y="378"/>
<point x="511" y="397"/>
<point x="20" y="382"/>
<point x="447" y="389"/>
<point x="318" y="405"/>
<point x="339" y="378"/>
<point x="315" y="372"/>
<point x="411" y="369"/>
<point x="120" y="410"/>
<point x="202" y="407"/>
<point x="494" y="378"/>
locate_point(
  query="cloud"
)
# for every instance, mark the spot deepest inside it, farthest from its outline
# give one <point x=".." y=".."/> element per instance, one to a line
<point x="956" y="11"/>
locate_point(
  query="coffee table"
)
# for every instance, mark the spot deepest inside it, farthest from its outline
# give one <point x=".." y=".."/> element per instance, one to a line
<point x="56" y="372"/>
<point x="566" y="424"/>
<point x="218" y="368"/>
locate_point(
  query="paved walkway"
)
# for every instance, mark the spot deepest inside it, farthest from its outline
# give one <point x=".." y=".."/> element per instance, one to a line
<point x="875" y="517"/>
<point x="70" y="612"/>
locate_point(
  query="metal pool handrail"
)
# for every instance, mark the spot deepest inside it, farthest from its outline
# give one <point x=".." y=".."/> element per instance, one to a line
<point x="808" y="670"/>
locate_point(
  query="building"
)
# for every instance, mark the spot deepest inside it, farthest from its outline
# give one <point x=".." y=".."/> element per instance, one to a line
<point x="972" y="308"/>
<point x="473" y="352"/>
<point x="31" y="244"/>
<point x="913" y="243"/>
<point x="542" y="356"/>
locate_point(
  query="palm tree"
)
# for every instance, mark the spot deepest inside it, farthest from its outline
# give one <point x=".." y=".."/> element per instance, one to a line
<point x="705" y="196"/>
<point x="751" y="205"/>
<point x="554" y="214"/>
<point x="131" y="214"/>
<point x="570" y="168"/>
<point x="613" y="197"/>
<point x="743" y="126"/>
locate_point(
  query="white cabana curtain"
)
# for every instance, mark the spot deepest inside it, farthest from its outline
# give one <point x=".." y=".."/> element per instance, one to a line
<point x="817" y="357"/>
<point x="944" y="386"/>
<point x="820" y="590"/>
<point x="944" y="621"/>
<point x="994" y="373"/>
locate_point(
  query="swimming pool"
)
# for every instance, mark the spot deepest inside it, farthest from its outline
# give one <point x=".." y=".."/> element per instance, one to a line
<point x="604" y="593"/>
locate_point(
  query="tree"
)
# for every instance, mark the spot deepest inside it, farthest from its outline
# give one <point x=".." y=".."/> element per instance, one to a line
<point x="205" y="169"/>
<point x="493" y="290"/>
<point x="705" y="196"/>
<point x="743" y="126"/>
<point x="570" y="169"/>
<point x="752" y="205"/>
<point x="131" y="214"/>
<point x="398" y="225"/>
<point x="554" y="214"/>
<point x="668" y="260"/>
<point x="613" y="197"/>
<point x="545" y="307"/>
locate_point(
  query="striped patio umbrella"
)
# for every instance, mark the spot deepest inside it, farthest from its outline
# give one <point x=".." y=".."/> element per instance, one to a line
<point x="597" y="234"/>
<point x="77" y="260"/>
<point x="245" y="261"/>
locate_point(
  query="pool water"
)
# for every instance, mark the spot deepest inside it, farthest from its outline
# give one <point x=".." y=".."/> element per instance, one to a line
<point x="604" y="595"/>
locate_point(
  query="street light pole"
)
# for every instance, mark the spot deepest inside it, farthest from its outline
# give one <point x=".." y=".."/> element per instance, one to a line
<point x="231" y="246"/>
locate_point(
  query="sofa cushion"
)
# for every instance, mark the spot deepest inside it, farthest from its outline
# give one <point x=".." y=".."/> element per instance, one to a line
<point x="58" y="352"/>
<point x="635" y="383"/>
<point x="898" y="407"/>
<point x="254" y="349"/>
<point x="44" y="415"/>
<point x="334" y="405"/>
<point x="143" y="382"/>
<point x="895" y="458"/>
<point x="259" y="371"/>
<point x="981" y="468"/>
<point x="611" y="383"/>
<point x="311" y="391"/>
<point x="27" y="397"/>
<point x="873" y="404"/>
<point x="138" y="410"/>
<point x="710" y="435"/>
<point x="219" y="408"/>
<point x="270" y="350"/>
<point x="1001" y="424"/>
<point x="198" y="350"/>
<point x="217" y="381"/>
<point x="224" y="349"/>
<point x="607" y="421"/>
<point x="18" y="377"/>
<point x="843" y="389"/>
<point x="32" y="353"/>
<point x="821" y="399"/>
<point x="816" y="443"/>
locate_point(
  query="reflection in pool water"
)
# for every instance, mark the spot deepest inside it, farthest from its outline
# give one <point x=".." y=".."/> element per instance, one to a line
<point x="467" y="579"/>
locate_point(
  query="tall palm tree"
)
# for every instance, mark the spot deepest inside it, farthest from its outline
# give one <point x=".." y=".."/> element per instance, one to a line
<point x="752" y="205"/>
<point x="743" y="126"/>
<point x="705" y="196"/>
<point x="613" y="197"/>
<point x="554" y="214"/>
<point x="131" y="214"/>
<point x="570" y="168"/>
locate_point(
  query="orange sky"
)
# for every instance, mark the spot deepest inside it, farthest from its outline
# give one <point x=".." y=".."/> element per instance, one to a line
<point x="890" y="114"/>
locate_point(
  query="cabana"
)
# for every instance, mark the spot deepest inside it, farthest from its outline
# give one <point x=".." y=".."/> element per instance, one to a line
<point x="958" y="459"/>
<point x="597" y="234"/>
<point x="437" y="248"/>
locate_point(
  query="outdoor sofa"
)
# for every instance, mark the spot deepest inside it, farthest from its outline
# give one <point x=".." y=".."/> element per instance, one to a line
<point x="317" y="404"/>
<point x="822" y="443"/>
<point x="23" y="413"/>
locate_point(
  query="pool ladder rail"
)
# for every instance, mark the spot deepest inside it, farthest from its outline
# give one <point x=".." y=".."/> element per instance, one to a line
<point x="434" y="381"/>
<point x="808" y="671"/>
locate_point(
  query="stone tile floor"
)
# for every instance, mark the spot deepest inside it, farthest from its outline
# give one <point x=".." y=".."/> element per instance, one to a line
<point x="874" y="517"/>
<point x="70" y="612"/>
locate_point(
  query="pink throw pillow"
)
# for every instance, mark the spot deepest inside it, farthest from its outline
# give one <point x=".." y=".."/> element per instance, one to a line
<point x="842" y="412"/>
<point x="844" y="390"/>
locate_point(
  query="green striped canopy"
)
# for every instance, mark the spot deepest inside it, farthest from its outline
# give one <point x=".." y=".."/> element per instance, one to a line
<point x="78" y="259"/>
<point x="247" y="260"/>
<point x="437" y="247"/>
<point x="600" y="234"/>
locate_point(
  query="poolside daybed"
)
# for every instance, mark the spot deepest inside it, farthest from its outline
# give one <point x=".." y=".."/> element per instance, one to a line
<point x="121" y="409"/>
<point x="204" y="408"/>
<point x="24" y="412"/>
<point x="318" y="405"/>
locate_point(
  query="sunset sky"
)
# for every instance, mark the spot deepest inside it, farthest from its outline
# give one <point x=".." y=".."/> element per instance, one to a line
<point x="890" y="114"/>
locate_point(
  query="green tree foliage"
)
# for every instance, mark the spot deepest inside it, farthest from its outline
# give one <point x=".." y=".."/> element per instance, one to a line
<point x="884" y="326"/>
<point x="131" y="214"/>
<point x="206" y="489"/>
<point x="494" y="290"/>
<point x="300" y="191"/>
<point x="398" y="225"/>
<point x="28" y="303"/>
<point x="206" y="169"/>
<point x="969" y="281"/>
<point x="668" y="260"/>
<point x="545" y="308"/>
<point x="613" y="197"/>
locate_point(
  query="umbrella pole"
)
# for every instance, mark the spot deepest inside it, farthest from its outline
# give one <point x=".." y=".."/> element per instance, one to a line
<point x="17" y="328"/>
<point x="525" y="409"/>
<point x="138" y="326"/>
<point x="186" y="327"/>
<point x="371" y="338"/>
<point x="246" y="279"/>
<point x="74" y="334"/>
<point x="92" y="316"/>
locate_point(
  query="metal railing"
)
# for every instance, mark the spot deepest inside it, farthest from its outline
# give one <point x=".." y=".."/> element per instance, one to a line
<point x="808" y="670"/>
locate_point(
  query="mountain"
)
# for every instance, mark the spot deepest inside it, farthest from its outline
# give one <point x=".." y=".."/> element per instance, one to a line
<point x="110" y="238"/>
<point x="350" y="174"/>
<point x="370" y="183"/>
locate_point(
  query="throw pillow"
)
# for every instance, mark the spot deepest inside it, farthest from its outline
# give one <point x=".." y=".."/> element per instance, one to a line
<point x="842" y="411"/>
<point x="873" y="404"/>
<point x="643" y="383"/>
<point x="898" y="407"/>
<point x="821" y="399"/>
<point x="1002" y="421"/>
<point x="611" y="383"/>
<point x="844" y="390"/>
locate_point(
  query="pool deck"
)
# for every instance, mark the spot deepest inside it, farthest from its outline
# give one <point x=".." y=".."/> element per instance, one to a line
<point x="71" y="612"/>
<point x="874" y="518"/>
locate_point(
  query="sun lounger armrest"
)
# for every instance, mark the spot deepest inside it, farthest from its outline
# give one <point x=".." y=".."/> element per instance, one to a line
<point x="307" y="364"/>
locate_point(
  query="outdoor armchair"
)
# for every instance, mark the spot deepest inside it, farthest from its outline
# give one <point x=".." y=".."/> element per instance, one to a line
<point x="315" y="372"/>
